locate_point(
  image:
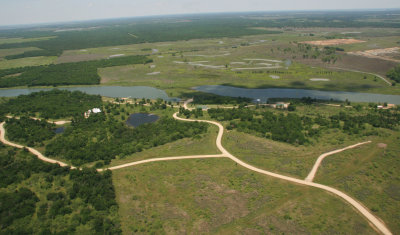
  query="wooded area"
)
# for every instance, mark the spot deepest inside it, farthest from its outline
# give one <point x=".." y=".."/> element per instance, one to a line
<point x="78" y="73"/>
<point x="51" y="104"/>
<point x="56" y="200"/>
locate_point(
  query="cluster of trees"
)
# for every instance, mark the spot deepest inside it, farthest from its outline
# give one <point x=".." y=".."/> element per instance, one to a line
<point x="295" y="129"/>
<point x="78" y="73"/>
<point x="67" y="199"/>
<point x="51" y="104"/>
<point x="99" y="138"/>
<point x="28" y="131"/>
<point x="394" y="74"/>
<point x="207" y="98"/>
<point x="327" y="54"/>
<point x="198" y="112"/>
<point x="16" y="205"/>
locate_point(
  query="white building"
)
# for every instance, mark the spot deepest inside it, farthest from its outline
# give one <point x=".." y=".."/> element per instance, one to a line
<point x="94" y="110"/>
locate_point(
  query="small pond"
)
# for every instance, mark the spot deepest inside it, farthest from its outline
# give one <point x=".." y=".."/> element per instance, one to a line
<point x="138" y="119"/>
<point x="59" y="130"/>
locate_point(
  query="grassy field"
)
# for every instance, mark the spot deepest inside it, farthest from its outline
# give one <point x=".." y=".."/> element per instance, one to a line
<point x="29" y="61"/>
<point x="15" y="51"/>
<point x="369" y="174"/>
<point x="22" y="40"/>
<point x="217" y="196"/>
<point x="177" y="68"/>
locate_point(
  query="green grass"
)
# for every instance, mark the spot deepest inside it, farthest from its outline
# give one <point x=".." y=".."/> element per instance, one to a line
<point x="29" y="61"/>
<point x="217" y="196"/>
<point x="22" y="40"/>
<point x="16" y="51"/>
<point x="370" y="175"/>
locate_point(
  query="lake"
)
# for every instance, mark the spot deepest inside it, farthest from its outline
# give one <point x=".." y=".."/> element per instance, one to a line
<point x="109" y="91"/>
<point x="264" y="94"/>
<point x="138" y="119"/>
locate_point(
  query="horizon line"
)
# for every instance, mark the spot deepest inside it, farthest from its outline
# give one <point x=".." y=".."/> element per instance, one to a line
<point x="55" y="23"/>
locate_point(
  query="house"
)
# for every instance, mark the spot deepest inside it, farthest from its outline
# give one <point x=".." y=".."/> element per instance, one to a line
<point x="90" y="111"/>
<point x="280" y="105"/>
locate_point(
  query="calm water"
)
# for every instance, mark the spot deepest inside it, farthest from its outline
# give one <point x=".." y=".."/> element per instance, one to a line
<point x="109" y="91"/>
<point x="59" y="130"/>
<point x="264" y="94"/>
<point x="138" y="119"/>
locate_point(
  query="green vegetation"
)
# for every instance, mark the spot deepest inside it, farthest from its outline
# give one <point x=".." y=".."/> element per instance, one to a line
<point x="207" y="98"/>
<point x="28" y="131"/>
<point x="42" y="198"/>
<point x="27" y="62"/>
<point x="215" y="196"/>
<point x="51" y="104"/>
<point x="369" y="174"/>
<point x="80" y="73"/>
<point x="394" y="74"/>
<point x="295" y="129"/>
<point x="101" y="138"/>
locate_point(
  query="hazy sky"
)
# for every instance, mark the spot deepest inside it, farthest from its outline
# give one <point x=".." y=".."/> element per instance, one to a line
<point x="40" y="11"/>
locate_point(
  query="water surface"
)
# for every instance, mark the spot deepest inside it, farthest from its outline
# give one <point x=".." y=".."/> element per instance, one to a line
<point x="264" y="94"/>
<point x="138" y="119"/>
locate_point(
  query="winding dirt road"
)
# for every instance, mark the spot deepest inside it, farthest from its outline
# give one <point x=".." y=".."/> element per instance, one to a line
<point x="375" y="221"/>
<point x="32" y="150"/>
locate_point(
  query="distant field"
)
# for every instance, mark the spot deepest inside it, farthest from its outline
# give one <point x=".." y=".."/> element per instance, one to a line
<point x="29" y="61"/>
<point x="217" y="196"/>
<point x="23" y="40"/>
<point x="14" y="51"/>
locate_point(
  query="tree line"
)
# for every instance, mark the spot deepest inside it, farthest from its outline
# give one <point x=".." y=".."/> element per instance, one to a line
<point x="77" y="73"/>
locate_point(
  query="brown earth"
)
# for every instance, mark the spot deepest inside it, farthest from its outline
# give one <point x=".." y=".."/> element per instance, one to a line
<point x="390" y="54"/>
<point x="332" y="42"/>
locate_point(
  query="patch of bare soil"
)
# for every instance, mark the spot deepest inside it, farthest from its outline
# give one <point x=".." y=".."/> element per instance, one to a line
<point x="382" y="145"/>
<point x="332" y="42"/>
<point x="391" y="54"/>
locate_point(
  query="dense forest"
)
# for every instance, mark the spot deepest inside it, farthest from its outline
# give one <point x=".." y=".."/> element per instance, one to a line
<point x="43" y="198"/>
<point x="28" y="131"/>
<point x="78" y="73"/>
<point x="51" y="104"/>
<point x="295" y="129"/>
<point x="101" y="138"/>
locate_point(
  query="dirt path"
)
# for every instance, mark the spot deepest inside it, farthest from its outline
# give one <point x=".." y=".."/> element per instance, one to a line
<point x="312" y="173"/>
<point x="375" y="221"/>
<point x="32" y="150"/>
<point x="61" y="122"/>
<point x="162" y="159"/>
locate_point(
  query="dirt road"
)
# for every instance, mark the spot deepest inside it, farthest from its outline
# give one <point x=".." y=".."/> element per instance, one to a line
<point x="312" y="173"/>
<point x="32" y="150"/>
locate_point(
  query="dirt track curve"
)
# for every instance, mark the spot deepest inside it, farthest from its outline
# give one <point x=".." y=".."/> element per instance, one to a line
<point x="375" y="221"/>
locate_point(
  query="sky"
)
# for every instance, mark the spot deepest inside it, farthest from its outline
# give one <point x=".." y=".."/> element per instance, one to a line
<point x="14" y="12"/>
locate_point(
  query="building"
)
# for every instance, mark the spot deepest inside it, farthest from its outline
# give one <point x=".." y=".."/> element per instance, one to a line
<point x="90" y="111"/>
